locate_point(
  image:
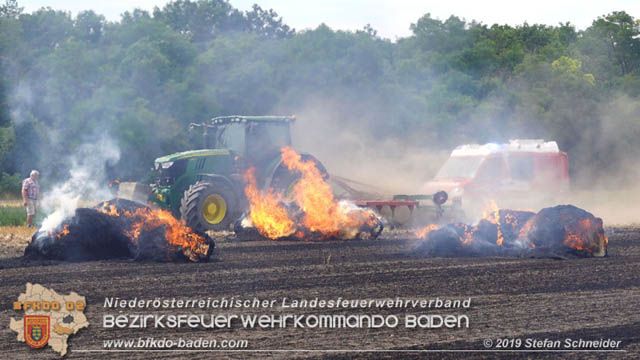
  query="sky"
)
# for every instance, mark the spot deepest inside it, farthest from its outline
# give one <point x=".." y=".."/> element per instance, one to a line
<point x="391" y="18"/>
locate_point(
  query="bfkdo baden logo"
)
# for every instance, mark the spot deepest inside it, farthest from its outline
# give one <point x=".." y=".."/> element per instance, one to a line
<point x="36" y="330"/>
<point x="49" y="318"/>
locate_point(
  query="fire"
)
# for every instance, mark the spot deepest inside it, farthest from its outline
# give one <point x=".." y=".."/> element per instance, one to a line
<point x="319" y="211"/>
<point x="176" y="232"/>
<point x="425" y="230"/>
<point x="64" y="231"/>
<point x="266" y="212"/>
<point x="468" y="234"/>
<point x="577" y="237"/>
<point x="314" y="196"/>
<point x="574" y="241"/>
<point x="110" y="209"/>
<point x="553" y="229"/>
<point x="491" y="213"/>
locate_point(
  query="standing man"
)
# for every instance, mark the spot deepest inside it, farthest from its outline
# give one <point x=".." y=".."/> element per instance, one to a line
<point x="30" y="195"/>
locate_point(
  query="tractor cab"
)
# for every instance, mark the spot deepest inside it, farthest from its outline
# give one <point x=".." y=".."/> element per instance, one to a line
<point x="252" y="137"/>
<point x="205" y="186"/>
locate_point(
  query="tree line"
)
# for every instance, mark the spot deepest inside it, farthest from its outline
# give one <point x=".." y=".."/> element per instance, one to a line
<point x="68" y="80"/>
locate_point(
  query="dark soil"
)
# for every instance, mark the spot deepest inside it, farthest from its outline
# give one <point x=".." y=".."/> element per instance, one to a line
<point x="540" y="298"/>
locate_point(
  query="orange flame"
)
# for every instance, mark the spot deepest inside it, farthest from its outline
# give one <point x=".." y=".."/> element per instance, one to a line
<point x="574" y="241"/>
<point x="583" y="234"/>
<point x="321" y="212"/>
<point x="176" y="232"/>
<point x="63" y="232"/>
<point x="468" y="234"/>
<point x="425" y="230"/>
<point x="491" y="213"/>
<point x="265" y="210"/>
<point x="314" y="196"/>
<point x="579" y="236"/>
<point x="111" y="210"/>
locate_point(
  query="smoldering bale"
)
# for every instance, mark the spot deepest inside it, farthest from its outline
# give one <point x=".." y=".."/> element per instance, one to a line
<point x="152" y="245"/>
<point x="462" y="240"/>
<point x="550" y="227"/>
<point x="121" y="206"/>
<point x="445" y="242"/>
<point x="92" y="235"/>
<point x="511" y="224"/>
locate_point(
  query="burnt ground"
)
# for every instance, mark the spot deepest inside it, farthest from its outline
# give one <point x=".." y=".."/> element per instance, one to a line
<point x="521" y="298"/>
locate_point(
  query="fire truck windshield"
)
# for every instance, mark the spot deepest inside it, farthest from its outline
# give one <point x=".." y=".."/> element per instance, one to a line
<point x="460" y="167"/>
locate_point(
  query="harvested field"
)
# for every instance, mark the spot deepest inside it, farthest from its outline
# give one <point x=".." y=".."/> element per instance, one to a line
<point x="590" y="299"/>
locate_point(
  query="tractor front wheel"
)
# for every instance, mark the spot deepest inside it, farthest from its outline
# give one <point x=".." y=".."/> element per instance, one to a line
<point x="208" y="206"/>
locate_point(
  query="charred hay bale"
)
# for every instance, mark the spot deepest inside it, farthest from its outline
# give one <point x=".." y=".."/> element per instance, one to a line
<point x="560" y="231"/>
<point x="121" y="204"/>
<point x="245" y="231"/>
<point x="152" y="246"/>
<point x="459" y="240"/>
<point x="107" y="232"/>
<point x="567" y="228"/>
<point x="117" y="207"/>
<point x="481" y="240"/>
<point x="462" y="240"/>
<point x="88" y="235"/>
<point x="511" y="225"/>
<point x="445" y="242"/>
<point x="485" y="231"/>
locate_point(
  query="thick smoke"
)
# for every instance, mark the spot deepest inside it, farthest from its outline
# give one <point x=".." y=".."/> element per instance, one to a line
<point x="346" y="144"/>
<point x="22" y="99"/>
<point x="86" y="181"/>
<point x="603" y="170"/>
<point x="614" y="165"/>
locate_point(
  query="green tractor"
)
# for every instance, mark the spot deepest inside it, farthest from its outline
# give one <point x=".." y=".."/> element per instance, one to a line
<point x="205" y="186"/>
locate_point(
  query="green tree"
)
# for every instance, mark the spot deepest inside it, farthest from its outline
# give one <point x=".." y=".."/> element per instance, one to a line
<point x="144" y="78"/>
<point x="201" y="20"/>
<point x="267" y="23"/>
<point x="10" y="9"/>
<point x="621" y="33"/>
<point x="89" y="26"/>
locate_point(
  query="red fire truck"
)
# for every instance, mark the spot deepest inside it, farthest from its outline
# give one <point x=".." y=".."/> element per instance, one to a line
<point x="524" y="173"/>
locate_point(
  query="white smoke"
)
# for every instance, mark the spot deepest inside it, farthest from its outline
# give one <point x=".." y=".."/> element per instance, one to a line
<point x="86" y="182"/>
<point x="21" y="100"/>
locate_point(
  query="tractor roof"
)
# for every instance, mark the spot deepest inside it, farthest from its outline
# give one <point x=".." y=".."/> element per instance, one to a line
<point x="191" y="154"/>
<point x="222" y="120"/>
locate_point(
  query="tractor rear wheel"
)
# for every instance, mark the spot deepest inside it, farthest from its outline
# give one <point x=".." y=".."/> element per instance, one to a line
<point x="208" y="206"/>
<point x="284" y="182"/>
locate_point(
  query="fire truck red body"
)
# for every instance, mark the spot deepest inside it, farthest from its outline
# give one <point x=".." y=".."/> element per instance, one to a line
<point x="521" y="173"/>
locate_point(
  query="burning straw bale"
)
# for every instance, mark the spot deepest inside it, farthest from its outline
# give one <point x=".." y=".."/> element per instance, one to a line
<point x="567" y="227"/>
<point x="309" y="212"/>
<point x="365" y="230"/>
<point x="120" y="229"/>
<point x="88" y="235"/>
<point x="561" y="230"/>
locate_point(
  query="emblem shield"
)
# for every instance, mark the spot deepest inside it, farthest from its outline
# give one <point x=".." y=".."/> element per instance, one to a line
<point x="36" y="330"/>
